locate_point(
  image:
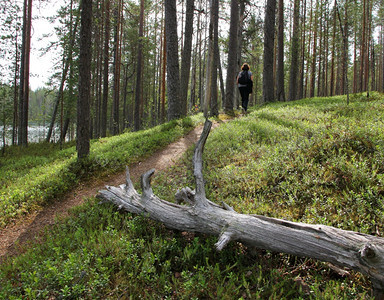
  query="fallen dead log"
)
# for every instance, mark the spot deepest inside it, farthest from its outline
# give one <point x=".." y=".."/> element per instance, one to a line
<point x="357" y="251"/>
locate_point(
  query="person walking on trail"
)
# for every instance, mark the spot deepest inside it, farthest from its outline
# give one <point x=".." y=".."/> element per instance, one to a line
<point x="245" y="83"/>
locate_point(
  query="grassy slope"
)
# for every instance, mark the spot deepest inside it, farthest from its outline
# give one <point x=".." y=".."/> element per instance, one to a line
<point x="316" y="161"/>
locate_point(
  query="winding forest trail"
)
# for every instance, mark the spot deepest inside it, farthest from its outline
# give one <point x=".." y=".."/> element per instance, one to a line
<point x="31" y="227"/>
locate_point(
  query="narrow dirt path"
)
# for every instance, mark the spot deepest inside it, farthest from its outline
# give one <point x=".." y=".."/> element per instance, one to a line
<point x="31" y="226"/>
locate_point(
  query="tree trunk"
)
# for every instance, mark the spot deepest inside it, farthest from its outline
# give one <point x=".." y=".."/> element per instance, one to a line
<point x="232" y="59"/>
<point x="163" y="75"/>
<point x="320" y="47"/>
<point x="209" y="66"/>
<point x="380" y="62"/>
<point x="373" y="68"/>
<point x="173" y="72"/>
<point x="15" y="93"/>
<point x="326" y="51"/>
<point x="269" y="41"/>
<point x="137" y="119"/>
<point x="116" y="70"/>
<point x="303" y="45"/>
<point x="125" y="123"/>
<point x="97" y="75"/>
<point x="361" y="252"/>
<point x="382" y="59"/>
<point x="200" y="55"/>
<point x="83" y="107"/>
<point x="64" y="131"/>
<point x="240" y="29"/>
<point x="104" y="106"/>
<point x="4" y="127"/>
<point x="344" y="32"/>
<point x="24" y="75"/>
<point x="186" y="57"/>
<point x="314" y="51"/>
<point x="332" y="80"/>
<point x="280" y="89"/>
<point x="295" y="47"/>
<point x="221" y="79"/>
<point x="346" y="50"/>
<point x="368" y="48"/>
<point x="305" y="87"/>
<point x="215" y="58"/>
<point x="362" y="51"/>
<point x="156" y="71"/>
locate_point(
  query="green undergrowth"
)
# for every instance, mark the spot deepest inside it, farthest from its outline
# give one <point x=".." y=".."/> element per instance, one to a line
<point x="101" y="253"/>
<point x="30" y="177"/>
<point x="315" y="161"/>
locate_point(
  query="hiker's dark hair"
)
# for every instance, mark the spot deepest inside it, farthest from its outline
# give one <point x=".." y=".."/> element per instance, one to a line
<point x="245" y="67"/>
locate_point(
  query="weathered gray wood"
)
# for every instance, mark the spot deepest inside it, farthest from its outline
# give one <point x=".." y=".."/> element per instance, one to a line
<point x="361" y="252"/>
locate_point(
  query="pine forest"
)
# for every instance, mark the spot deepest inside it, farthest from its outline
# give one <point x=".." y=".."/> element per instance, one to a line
<point x="154" y="61"/>
<point x="192" y="149"/>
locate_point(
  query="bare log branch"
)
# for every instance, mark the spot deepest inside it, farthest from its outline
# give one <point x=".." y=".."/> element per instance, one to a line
<point x="201" y="200"/>
<point x="357" y="251"/>
<point x="224" y="239"/>
<point x="128" y="181"/>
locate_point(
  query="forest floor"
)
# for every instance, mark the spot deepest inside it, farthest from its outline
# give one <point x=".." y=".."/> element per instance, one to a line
<point x="20" y="232"/>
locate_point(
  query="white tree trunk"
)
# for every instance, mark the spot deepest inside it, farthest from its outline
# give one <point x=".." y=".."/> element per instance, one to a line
<point x="361" y="252"/>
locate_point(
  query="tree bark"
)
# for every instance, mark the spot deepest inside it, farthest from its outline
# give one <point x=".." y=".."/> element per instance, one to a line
<point x="138" y="96"/>
<point x="361" y="252"/>
<point x="116" y="69"/>
<point x="83" y="107"/>
<point x="216" y="59"/>
<point x="320" y="47"/>
<point x="186" y="57"/>
<point x="24" y="75"/>
<point x="333" y="55"/>
<point x="209" y="67"/>
<point x="173" y="71"/>
<point x="163" y="76"/>
<point x="280" y="90"/>
<point x="344" y="32"/>
<point x="382" y="59"/>
<point x="97" y="29"/>
<point x="314" y="55"/>
<point x="363" y="51"/>
<point x="269" y="41"/>
<point x="306" y="72"/>
<point x="368" y="48"/>
<point x="210" y="98"/>
<point x="15" y="93"/>
<point x="295" y="47"/>
<point x="373" y="68"/>
<point x="240" y="30"/>
<point x="104" y="105"/>
<point x="232" y="59"/>
<point x="303" y="45"/>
